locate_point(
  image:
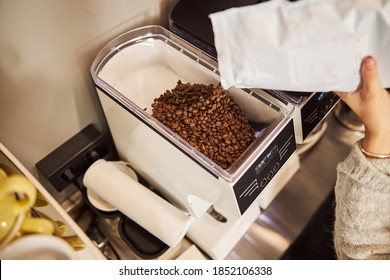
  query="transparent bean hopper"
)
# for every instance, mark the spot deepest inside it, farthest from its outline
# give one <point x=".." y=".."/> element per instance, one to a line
<point x="140" y="65"/>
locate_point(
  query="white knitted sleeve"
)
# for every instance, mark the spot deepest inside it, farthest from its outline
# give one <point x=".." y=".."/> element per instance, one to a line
<point x="362" y="222"/>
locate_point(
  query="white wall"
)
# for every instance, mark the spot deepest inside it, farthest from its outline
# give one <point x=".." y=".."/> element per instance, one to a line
<point x="46" y="49"/>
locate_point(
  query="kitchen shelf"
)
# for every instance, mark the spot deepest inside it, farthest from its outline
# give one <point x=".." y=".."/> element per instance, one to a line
<point x="86" y="249"/>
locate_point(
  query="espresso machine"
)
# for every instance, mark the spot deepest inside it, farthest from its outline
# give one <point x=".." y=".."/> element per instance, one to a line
<point x="137" y="67"/>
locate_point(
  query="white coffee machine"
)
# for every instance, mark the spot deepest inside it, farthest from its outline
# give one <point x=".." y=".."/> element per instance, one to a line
<point x="137" y="67"/>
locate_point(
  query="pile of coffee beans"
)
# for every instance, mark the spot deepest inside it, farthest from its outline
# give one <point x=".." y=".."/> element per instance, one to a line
<point x="207" y="118"/>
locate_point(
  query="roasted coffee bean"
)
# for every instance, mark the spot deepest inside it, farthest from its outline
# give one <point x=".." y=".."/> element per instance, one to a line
<point x="207" y="118"/>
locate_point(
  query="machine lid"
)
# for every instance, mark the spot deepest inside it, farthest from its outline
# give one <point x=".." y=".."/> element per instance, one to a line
<point x="190" y="19"/>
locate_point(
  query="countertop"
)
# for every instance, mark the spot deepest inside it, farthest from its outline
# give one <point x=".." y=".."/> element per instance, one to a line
<point x="279" y="225"/>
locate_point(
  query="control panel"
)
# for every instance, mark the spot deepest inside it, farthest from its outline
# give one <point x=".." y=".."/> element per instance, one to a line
<point x="265" y="167"/>
<point x="315" y="110"/>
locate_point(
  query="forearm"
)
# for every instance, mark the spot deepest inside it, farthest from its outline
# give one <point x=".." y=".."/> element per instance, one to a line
<point x="362" y="224"/>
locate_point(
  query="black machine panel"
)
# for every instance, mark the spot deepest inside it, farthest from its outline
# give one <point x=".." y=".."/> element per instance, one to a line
<point x="315" y="110"/>
<point x="266" y="166"/>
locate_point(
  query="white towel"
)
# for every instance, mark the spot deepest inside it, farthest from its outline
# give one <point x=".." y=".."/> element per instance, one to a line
<point x="302" y="46"/>
<point x="111" y="181"/>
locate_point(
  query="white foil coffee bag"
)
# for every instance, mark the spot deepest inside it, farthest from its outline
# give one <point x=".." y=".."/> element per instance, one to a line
<point x="309" y="45"/>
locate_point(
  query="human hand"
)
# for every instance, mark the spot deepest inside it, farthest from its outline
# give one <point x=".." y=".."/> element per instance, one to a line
<point x="371" y="103"/>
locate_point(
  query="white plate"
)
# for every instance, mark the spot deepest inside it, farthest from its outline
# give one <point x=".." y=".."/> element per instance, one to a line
<point x="99" y="203"/>
<point x="38" y="247"/>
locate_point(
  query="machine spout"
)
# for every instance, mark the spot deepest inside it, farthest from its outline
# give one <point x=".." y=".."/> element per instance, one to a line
<point x="216" y="215"/>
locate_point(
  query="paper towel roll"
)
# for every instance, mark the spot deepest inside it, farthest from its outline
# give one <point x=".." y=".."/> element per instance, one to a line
<point x="110" y="180"/>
